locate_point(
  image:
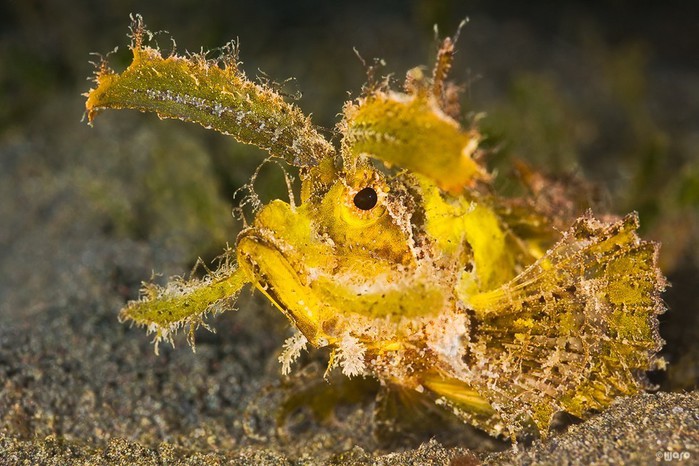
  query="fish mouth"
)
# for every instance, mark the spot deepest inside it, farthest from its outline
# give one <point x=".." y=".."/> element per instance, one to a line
<point x="273" y="274"/>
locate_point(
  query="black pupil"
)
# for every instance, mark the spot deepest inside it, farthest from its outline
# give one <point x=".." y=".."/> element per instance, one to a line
<point x="365" y="199"/>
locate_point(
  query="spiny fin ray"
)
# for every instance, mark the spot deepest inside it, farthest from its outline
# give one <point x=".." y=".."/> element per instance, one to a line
<point x="213" y="93"/>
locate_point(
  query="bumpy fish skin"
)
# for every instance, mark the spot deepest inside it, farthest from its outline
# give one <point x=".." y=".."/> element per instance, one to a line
<point x="422" y="277"/>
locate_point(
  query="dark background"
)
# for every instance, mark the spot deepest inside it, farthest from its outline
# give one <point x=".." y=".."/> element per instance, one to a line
<point x="608" y="91"/>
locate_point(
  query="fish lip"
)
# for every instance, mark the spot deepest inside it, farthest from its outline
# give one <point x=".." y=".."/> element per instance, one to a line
<point x="254" y="235"/>
<point x="261" y="282"/>
<point x="269" y="243"/>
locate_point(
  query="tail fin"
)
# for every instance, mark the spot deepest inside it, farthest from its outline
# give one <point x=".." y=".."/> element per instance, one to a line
<point x="571" y="332"/>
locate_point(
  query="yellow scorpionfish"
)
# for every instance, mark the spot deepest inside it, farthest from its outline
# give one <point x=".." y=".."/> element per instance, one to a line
<point x="400" y="256"/>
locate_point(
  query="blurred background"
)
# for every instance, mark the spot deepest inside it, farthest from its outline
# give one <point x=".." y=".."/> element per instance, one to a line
<point x="604" y="90"/>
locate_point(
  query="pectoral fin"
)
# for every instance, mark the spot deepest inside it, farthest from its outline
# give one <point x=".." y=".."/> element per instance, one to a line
<point x="164" y="310"/>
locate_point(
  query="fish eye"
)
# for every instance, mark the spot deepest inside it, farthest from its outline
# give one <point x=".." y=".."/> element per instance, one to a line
<point x="366" y="199"/>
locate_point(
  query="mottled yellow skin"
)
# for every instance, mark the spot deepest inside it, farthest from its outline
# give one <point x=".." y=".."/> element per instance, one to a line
<point x="376" y="277"/>
<point x="355" y="262"/>
<point x="421" y="275"/>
